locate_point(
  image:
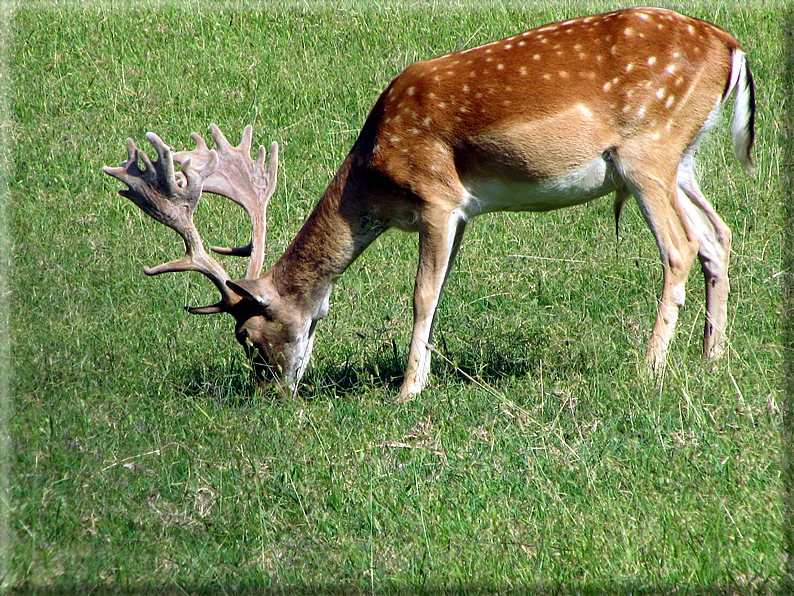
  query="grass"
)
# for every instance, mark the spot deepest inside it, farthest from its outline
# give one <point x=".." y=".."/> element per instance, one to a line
<point x="539" y="459"/>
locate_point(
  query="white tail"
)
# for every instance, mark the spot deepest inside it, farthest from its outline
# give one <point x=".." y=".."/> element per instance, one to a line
<point x="545" y="119"/>
<point x="742" y="128"/>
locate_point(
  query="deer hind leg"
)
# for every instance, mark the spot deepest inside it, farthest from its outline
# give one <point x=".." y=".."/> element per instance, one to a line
<point x="714" y="240"/>
<point x="439" y="241"/>
<point x="660" y="205"/>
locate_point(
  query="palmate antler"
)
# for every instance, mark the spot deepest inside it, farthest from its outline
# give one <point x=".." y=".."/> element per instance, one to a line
<point x="171" y="198"/>
<point x="244" y="181"/>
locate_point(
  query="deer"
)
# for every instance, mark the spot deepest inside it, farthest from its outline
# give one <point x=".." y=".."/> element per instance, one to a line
<point x="549" y="118"/>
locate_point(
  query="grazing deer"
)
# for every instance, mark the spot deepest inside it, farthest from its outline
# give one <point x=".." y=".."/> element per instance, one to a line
<point x="545" y="119"/>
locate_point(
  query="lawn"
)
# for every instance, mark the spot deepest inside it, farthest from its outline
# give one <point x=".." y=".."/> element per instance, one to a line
<point x="144" y="458"/>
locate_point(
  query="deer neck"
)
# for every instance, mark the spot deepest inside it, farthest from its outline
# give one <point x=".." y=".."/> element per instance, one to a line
<point x="338" y="230"/>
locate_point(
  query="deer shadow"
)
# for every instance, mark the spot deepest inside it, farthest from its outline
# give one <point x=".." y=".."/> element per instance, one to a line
<point x="481" y="358"/>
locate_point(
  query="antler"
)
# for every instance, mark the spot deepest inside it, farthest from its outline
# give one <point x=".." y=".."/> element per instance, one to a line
<point x="157" y="192"/>
<point x="244" y="181"/>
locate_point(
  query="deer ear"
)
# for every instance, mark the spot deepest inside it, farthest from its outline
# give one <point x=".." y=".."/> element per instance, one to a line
<point x="250" y="290"/>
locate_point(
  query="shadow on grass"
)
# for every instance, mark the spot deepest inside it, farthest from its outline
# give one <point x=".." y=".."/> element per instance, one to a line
<point x="232" y="385"/>
<point x="490" y="360"/>
<point x="485" y="356"/>
<point x="384" y="373"/>
<point x="491" y="357"/>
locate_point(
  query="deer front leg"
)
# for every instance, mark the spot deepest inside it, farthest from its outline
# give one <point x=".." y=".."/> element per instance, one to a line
<point x="439" y="241"/>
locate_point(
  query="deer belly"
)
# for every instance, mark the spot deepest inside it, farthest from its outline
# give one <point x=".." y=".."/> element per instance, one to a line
<point x="588" y="182"/>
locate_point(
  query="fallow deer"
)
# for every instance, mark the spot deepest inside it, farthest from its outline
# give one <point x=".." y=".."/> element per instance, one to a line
<point x="549" y="118"/>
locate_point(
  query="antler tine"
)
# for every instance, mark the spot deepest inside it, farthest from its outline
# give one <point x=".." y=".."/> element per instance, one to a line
<point x="244" y="181"/>
<point x="158" y="194"/>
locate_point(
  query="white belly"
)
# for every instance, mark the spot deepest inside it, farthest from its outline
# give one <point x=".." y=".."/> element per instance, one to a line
<point x="589" y="182"/>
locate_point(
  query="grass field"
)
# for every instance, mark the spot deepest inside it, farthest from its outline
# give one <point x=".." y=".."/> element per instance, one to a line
<point x="539" y="460"/>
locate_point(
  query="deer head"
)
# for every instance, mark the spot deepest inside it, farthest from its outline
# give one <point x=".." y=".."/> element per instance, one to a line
<point x="274" y="342"/>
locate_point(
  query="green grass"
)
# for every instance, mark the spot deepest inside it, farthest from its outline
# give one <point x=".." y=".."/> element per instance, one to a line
<point x="539" y="459"/>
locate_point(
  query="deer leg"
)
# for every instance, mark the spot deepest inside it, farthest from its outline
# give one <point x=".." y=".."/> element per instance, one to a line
<point x="439" y="241"/>
<point x="714" y="240"/>
<point x="659" y="202"/>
